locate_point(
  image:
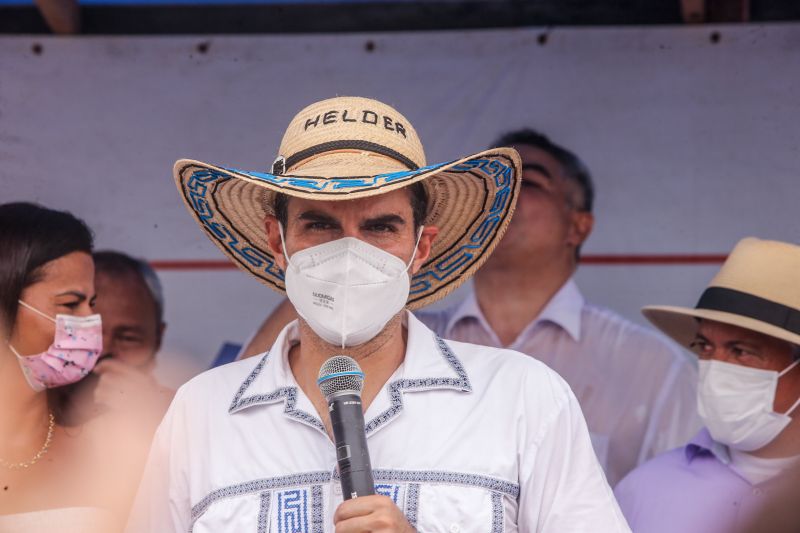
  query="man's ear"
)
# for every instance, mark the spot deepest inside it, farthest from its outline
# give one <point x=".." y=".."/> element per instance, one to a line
<point x="272" y="228"/>
<point x="582" y="224"/>
<point x="424" y="247"/>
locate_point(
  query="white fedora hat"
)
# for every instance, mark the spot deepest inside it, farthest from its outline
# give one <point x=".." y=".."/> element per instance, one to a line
<point x="757" y="288"/>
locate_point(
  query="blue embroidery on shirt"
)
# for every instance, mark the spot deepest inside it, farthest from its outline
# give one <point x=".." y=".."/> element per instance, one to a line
<point x="288" y="394"/>
<point x="498" y="518"/>
<point x="293" y="511"/>
<point x="397" y="387"/>
<point x="263" y="513"/>
<point x="443" y="477"/>
<point x="258" y="485"/>
<point x="413" y="478"/>
<point x="447" y="478"/>
<point x="316" y="510"/>
<point x="247" y="382"/>
<point x="389" y="490"/>
<point x="412" y="503"/>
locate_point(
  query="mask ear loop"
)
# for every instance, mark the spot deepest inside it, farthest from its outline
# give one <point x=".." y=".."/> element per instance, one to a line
<point x="51" y="319"/>
<point x="283" y="244"/>
<point x="783" y="373"/>
<point x="32" y="308"/>
<point x="416" y="245"/>
<point x="789" y="368"/>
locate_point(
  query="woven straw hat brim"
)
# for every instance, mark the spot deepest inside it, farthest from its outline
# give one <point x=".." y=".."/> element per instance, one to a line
<point x="471" y="201"/>
<point x="681" y="323"/>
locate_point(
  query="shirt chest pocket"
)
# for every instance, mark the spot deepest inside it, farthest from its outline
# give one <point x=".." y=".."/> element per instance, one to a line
<point x="457" y="509"/>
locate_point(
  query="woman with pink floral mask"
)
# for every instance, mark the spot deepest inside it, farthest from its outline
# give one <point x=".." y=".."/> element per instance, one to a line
<point x="50" y="338"/>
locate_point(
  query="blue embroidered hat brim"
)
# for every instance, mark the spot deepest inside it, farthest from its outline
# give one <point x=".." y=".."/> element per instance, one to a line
<point x="471" y="201"/>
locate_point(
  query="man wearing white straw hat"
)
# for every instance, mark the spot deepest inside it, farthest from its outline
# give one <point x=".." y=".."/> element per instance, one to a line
<point x="745" y="330"/>
<point x="356" y="229"/>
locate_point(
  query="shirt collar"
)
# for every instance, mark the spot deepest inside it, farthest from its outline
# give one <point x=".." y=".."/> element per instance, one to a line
<point x="272" y="381"/>
<point x="563" y="309"/>
<point x="704" y="444"/>
<point x="429" y="364"/>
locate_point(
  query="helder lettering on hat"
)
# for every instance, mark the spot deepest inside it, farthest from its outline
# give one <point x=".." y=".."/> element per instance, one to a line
<point x="364" y="116"/>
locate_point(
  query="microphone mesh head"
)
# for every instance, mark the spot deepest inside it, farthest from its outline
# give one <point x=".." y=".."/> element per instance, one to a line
<point x="340" y="373"/>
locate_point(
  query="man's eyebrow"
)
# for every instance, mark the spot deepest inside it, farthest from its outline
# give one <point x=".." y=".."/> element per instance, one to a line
<point x="385" y="219"/>
<point x="536" y="167"/>
<point x="745" y="342"/>
<point x="129" y="329"/>
<point x="317" y="216"/>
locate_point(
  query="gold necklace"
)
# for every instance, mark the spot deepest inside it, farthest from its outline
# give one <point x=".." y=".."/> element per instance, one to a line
<point x="39" y="454"/>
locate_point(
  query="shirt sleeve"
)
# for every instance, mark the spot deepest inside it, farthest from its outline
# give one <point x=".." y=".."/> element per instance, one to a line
<point x="162" y="502"/>
<point x="562" y="486"/>
<point x="674" y="418"/>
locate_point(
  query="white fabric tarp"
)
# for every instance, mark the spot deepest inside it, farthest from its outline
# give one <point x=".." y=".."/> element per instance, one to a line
<point x="693" y="144"/>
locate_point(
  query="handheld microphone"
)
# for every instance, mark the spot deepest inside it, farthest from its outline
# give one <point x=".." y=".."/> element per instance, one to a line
<point x="341" y="380"/>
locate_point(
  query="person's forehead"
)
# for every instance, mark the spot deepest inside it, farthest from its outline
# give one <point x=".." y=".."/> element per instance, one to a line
<point x="394" y="202"/>
<point x="73" y="271"/>
<point x="535" y="159"/>
<point x="124" y="290"/>
<point x="730" y="333"/>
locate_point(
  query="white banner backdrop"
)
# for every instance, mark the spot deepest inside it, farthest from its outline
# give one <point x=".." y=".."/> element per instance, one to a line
<point x="691" y="133"/>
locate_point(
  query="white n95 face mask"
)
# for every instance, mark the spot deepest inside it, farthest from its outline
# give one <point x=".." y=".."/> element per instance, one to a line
<point x="347" y="290"/>
<point x="735" y="402"/>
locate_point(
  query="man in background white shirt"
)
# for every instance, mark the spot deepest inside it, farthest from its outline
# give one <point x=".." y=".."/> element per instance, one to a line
<point x="637" y="390"/>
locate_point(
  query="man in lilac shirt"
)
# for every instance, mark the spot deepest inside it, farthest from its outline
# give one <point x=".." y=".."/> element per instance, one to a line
<point x="745" y="331"/>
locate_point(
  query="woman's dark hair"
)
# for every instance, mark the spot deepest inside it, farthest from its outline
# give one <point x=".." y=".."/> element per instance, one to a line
<point x="30" y="237"/>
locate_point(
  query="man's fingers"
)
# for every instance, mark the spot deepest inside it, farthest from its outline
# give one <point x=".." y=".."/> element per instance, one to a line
<point x="356" y="524"/>
<point x="361" y="506"/>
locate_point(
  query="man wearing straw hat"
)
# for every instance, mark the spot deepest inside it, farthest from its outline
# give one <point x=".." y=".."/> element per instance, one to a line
<point x="461" y="437"/>
<point x="745" y="330"/>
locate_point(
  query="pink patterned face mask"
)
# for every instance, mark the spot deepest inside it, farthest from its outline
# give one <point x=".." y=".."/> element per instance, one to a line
<point x="73" y="354"/>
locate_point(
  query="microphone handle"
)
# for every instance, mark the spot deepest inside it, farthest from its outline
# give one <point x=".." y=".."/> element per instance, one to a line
<point x="352" y="454"/>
